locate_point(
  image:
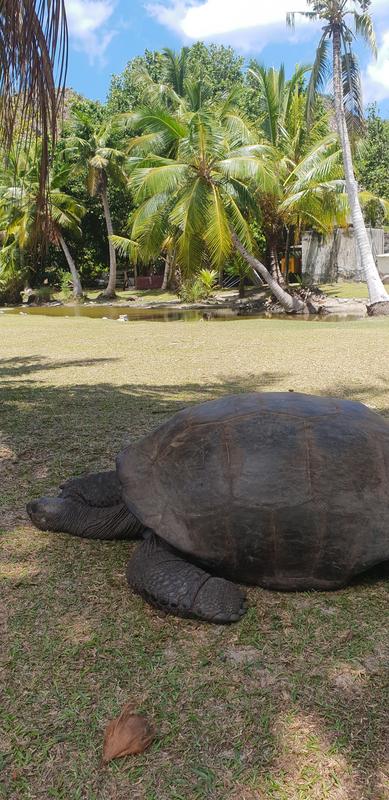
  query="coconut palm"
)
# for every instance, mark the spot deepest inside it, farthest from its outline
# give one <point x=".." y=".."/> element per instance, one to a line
<point x="93" y="142"/>
<point x="202" y="195"/>
<point x="336" y="30"/>
<point x="33" y="42"/>
<point x="21" y="213"/>
<point x="281" y="106"/>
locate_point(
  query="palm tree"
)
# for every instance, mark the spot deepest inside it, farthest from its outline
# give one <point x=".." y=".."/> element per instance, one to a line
<point x="334" y="14"/>
<point x="21" y="212"/>
<point x="282" y="106"/>
<point x="104" y="162"/>
<point x="202" y="194"/>
<point x="33" y="37"/>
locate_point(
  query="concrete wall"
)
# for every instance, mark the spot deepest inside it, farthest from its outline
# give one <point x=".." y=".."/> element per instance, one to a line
<point x="327" y="260"/>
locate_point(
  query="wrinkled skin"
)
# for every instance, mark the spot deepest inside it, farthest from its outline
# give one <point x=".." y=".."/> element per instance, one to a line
<point x="91" y="507"/>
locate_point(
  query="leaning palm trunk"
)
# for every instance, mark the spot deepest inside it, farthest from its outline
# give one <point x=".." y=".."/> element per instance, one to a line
<point x="376" y="289"/>
<point x="275" y="265"/>
<point x="111" y="286"/>
<point x="77" y="288"/>
<point x="291" y="304"/>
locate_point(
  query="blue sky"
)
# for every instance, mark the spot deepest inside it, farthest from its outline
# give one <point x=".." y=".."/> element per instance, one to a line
<point x="105" y="34"/>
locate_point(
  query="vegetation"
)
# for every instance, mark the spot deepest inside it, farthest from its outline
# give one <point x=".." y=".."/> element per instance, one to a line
<point x="264" y="161"/>
<point x="33" y="43"/>
<point x="20" y="204"/>
<point x="291" y="704"/>
<point x="348" y="106"/>
<point x="373" y="166"/>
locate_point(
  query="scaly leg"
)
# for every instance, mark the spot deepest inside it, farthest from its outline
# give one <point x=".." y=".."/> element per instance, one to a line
<point x="167" y="581"/>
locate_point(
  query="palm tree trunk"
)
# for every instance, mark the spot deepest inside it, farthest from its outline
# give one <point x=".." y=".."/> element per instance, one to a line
<point x="110" y="291"/>
<point x="169" y="263"/>
<point x="275" y="264"/>
<point x="376" y="289"/>
<point x="77" y="288"/>
<point x="291" y="304"/>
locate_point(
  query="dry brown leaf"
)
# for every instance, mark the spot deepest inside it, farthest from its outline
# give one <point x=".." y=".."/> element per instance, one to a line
<point x="128" y="734"/>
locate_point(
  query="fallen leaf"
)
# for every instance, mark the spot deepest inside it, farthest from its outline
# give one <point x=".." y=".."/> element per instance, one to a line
<point x="128" y="734"/>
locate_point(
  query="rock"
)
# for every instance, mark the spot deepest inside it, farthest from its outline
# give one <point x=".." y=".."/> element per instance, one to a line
<point x="378" y="309"/>
<point x="123" y="318"/>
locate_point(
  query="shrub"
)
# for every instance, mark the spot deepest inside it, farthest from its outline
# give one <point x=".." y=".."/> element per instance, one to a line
<point x="66" y="283"/>
<point x="201" y="288"/>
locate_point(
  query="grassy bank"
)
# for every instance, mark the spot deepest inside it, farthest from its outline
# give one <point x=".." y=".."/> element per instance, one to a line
<point x="291" y="704"/>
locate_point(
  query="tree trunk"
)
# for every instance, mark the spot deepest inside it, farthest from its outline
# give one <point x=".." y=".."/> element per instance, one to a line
<point x="289" y="303"/>
<point x="241" y="286"/>
<point x="110" y="291"/>
<point x="275" y="265"/>
<point x="287" y="254"/>
<point x="169" y="261"/>
<point x="77" y="288"/>
<point x="376" y="289"/>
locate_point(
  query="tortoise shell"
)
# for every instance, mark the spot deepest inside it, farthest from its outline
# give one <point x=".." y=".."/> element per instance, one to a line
<point x="284" y="490"/>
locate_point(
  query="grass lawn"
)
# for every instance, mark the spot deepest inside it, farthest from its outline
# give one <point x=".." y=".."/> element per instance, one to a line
<point x="345" y="289"/>
<point x="142" y="295"/>
<point x="290" y="704"/>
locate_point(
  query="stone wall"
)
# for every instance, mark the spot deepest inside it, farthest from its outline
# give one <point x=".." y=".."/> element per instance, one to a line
<point x="333" y="258"/>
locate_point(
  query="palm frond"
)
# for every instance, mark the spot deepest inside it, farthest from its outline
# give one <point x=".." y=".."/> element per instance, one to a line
<point x="125" y="247"/>
<point x="267" y="80"/>
<point x="251" y="163"/>
<point x="165" y="177"/>
<point x="189" y="217"/>
<point x="205" y="140"/>
<point x="33" y="47"/>
<point x="93" y="180"/>
<point x="291" y="17"/>
<point x="364" y="27"/>
<point x="217" y="234"/>
<point x="352" y="92"/>
<point x="154" y="206"/>
<point x="175" y="68"/>
<point x="318" y="77"/>
<point x="239" y="223"/>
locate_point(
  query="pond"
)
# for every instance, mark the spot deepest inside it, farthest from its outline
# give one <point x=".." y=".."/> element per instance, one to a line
<point x="167" y="314"/>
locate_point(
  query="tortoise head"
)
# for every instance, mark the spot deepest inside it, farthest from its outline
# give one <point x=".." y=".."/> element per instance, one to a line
<point x="48" y="513"/>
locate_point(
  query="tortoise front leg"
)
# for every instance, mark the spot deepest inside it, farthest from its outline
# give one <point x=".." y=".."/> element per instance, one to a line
<point x="170" y="583"/>
<point x="90" y="506"/>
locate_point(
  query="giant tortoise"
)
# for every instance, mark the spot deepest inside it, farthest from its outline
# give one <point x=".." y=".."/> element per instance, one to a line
<point x="284" y="490"/>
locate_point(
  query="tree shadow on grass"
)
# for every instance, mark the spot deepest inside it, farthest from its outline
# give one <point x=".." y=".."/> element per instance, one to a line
<point x="26" y="365"/>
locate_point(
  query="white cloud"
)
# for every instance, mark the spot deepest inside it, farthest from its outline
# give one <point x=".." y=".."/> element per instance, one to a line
<point x="251" y="24"/>
<point x="376" y="76"/>
<point x="246" y="23"/>
<point x="88" y="29"/>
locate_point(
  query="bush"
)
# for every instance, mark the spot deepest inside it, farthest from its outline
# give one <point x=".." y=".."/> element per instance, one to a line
<point x="66" y="283"/>
<point x="201" y="288"/>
